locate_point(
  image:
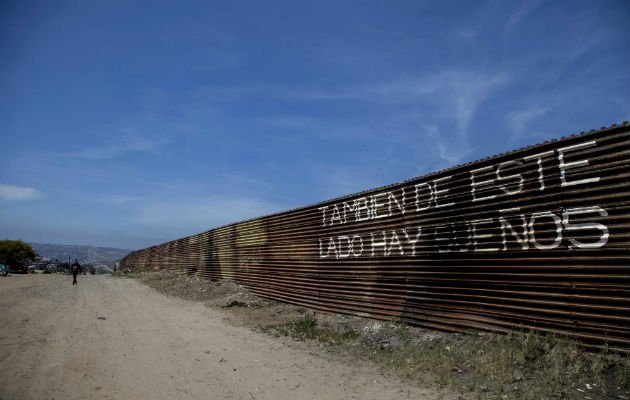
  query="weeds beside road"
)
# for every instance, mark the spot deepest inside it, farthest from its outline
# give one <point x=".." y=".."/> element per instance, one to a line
<point x="520" y="365"/>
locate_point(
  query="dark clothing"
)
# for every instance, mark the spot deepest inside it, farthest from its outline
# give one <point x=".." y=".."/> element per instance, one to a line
<point x="75" y="268"/>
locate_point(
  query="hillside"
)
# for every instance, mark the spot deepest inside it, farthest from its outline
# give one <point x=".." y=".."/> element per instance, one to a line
<point x="84" y="254"/>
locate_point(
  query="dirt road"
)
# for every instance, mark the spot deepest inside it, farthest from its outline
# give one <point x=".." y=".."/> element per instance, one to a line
<point x="109" y="338"/>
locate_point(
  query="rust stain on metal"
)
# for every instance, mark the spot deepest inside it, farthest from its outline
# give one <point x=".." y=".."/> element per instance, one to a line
<point x="536" y="238"/>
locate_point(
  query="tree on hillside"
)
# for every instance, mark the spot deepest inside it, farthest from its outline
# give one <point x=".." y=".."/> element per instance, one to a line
<point x="12" y="251"/>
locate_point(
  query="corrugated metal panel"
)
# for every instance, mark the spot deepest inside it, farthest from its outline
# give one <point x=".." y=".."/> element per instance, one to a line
<point x="535" y="238"/>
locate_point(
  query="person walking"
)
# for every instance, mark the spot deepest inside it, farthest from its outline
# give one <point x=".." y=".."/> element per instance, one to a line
<point x="75" y="268"/>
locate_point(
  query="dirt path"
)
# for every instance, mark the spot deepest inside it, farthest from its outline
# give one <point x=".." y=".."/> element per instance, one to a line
<point x="149" y="346"/>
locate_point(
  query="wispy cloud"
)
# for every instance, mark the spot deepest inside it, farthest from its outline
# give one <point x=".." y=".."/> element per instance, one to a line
<point x="119" y="199"/>
<point x="129" y="141"/>
<point x="342" y="179"/>
<point x="518" y="120"/>
<point x="581" y="50"/>
<point x="469" y="90"/>
<point x="465" y="34"/>
<point x="456" y="92"/>
<point x="431" y="113"/>
<point x="376" y="31"/>
<point x="439" y="106"/>
<point x="451" y="155"/>
<point x="446" y="98"/>
<point x="196" y="214"/>
<point x="18" y="193"/>
<point x="179" y="215"/>
<point x="515" y="19"/>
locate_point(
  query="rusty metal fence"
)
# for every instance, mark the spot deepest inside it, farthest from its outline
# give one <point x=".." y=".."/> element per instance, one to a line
<point x="538" y="238"/>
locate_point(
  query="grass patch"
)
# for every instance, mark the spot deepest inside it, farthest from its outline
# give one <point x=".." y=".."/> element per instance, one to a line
<point x="308" y="328"/>
<point x="519" y="365"/>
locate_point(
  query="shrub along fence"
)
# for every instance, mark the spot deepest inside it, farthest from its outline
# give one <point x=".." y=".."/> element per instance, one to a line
<point x="538" y="238"/>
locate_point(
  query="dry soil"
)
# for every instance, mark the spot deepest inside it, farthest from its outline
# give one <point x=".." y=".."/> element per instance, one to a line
<point x="109" y="338"/>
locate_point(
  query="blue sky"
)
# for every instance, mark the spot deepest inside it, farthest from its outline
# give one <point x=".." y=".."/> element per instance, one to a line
<point x="127" y="124"/>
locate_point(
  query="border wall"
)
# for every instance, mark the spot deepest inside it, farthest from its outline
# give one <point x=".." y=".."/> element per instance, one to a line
<point x="538" y="238"/>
